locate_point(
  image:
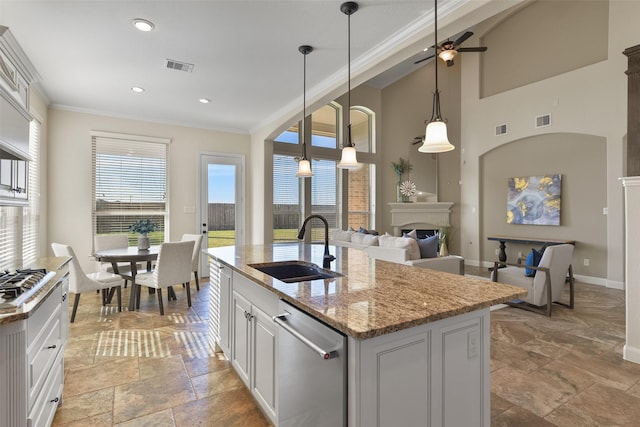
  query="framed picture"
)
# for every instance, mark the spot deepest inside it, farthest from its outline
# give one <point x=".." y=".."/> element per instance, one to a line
<point x="534" y="200"/>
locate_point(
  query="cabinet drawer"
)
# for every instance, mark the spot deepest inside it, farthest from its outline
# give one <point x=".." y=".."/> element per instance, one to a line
<point x="44" y="408"/>
<point x="40" y="317"/>
<point x="42" y="356"/>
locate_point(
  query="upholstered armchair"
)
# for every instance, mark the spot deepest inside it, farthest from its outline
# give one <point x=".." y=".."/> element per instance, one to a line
<point x="547" y="285"/>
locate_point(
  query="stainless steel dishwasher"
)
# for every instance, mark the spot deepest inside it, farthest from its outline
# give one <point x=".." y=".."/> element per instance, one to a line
<point x="312" y="371"/>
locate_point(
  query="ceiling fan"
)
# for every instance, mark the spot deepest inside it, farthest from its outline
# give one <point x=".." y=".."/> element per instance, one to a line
<point x="448" y="50"/>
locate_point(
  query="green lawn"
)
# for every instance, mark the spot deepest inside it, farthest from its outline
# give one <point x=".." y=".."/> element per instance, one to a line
<point x="227" y="237"/>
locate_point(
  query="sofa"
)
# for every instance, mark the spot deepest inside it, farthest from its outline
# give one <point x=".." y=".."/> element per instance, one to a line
<point x="401" y="250"/>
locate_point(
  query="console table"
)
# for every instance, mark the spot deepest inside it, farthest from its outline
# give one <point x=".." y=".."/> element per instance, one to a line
<point x="502" y="256"/>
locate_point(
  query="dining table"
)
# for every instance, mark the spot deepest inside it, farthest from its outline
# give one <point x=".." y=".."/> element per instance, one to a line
<point x="133" y="256"/>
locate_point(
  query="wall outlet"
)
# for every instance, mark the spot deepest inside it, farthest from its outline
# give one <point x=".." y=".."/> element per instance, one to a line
<point x="519" y="254"/>
<point x="497" y="251"/>
<point x="586" y="262"/>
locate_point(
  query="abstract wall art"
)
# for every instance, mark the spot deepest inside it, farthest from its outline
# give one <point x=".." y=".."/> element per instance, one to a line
<point x="534" y="200"/>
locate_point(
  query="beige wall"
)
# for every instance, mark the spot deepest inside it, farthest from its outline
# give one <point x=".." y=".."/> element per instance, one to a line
<point x="543" y="40"/>
<point x="590" y="100"/>
<point x="406" y="104"/>
<point x="581" y="160"/>
<point x="69" y="176"/>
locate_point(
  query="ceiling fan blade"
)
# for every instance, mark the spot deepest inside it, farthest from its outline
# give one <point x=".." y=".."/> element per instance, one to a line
<point x="473" y="49"/>
<point x="462" y="38"/>
<point x="423" y="59"/>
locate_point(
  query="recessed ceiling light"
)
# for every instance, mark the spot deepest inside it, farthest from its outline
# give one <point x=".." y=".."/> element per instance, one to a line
<point x="143" y="24"/>
<point x="137" y="89"/>
<point x="204" y="100"/>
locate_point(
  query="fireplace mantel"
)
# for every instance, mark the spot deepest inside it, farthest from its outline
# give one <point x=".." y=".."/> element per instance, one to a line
<point x="422" y="215"/>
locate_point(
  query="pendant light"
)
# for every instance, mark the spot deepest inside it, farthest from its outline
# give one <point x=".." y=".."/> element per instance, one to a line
<point x="435" y="138"/>
<point x="348" y="160"/>
<point x="304" y="166"/>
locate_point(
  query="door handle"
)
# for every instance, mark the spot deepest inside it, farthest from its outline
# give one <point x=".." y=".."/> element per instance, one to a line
<point x="281" y="320"/>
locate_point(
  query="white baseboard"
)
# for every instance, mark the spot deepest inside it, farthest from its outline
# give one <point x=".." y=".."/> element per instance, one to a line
<point x="632" y="354"/>
<point x="613" y="284"/>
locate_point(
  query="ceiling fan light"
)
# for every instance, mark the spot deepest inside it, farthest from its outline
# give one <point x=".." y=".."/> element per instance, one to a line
<point x="436" y="139"/>
<point x="304" y="169"/>
<point x="349" y="160"/>
<point x="447" y="54"/>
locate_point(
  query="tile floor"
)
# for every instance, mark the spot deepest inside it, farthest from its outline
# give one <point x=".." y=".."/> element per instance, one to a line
<point x="143" y="369"/>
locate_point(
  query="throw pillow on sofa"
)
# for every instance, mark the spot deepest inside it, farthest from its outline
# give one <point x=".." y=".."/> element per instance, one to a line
<point x="364" y="239"/>
<point x="428" y="247"/>
<point x="343" y="236"/>
<point x="413" y="234"/>
<point x="411" y="245"/>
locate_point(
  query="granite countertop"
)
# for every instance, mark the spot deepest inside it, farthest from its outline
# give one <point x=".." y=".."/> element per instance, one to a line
<point x="13" y="314"/>
<point x="373" y="297"/>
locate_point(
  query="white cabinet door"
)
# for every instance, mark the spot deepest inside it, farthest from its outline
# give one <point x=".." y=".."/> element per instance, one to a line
<point x="241" y="337"/>
<point x="263" y="360"/>
<point x="225" y="310"/>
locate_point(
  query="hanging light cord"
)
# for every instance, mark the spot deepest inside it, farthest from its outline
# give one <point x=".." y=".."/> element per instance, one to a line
<point x="349" y="143"/>
<point x="435" y="115"/>
<point x="304" y="105"/>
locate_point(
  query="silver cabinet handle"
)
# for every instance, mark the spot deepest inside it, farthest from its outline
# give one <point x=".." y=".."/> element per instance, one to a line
<point x="281" y="320"/>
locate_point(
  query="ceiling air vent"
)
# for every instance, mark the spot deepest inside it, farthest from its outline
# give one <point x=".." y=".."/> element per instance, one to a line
<point x="180" y="66"/>
<point x="501" y="130"/>
<point x="542" y="121"/>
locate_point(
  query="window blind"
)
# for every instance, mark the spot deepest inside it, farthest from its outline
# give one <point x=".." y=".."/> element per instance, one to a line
<point x="324" y="196"/>
<point x="31" y="213"/>
<point x="129" y="184"/>
<point x="286" y="199"/>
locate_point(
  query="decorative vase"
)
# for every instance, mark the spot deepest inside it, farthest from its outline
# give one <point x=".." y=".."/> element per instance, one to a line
<point x="399" y="196"/>
<point x="143" y="242"/>
<point x="443" y="249"/>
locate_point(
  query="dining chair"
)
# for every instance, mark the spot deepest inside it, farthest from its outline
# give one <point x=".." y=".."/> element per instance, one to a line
<point x="195" y="257"/>
<point x="103" y="242"/>
<point x="80" y="282"/>
<point x="173" y="267"/>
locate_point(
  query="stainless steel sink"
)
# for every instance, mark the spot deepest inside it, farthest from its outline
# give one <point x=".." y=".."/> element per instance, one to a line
<point x="294" y="271"/>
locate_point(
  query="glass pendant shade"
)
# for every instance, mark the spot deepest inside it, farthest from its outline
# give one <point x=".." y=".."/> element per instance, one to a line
<point x="436" y="139"/>
<point x="348" y="160"/>
<point x="447" y="54"/>
<point x="304" y="168"/>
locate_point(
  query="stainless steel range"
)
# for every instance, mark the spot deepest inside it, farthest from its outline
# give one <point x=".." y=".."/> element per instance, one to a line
<point x="17" y="287"/>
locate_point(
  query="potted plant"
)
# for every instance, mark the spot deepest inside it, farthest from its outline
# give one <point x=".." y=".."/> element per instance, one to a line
<point x="400" y="168"/>
<point x="143" y="226"/>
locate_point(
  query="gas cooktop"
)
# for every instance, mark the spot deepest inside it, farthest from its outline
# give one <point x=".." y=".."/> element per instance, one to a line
<point x="16" y="287"/>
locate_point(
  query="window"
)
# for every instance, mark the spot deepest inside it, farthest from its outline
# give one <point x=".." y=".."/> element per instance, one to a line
<point x="20" y="225"/>
<point x="349" y="203"/>
<point x="287" y="214"/>
<point x="289" y="136"/>
<point x="324" y="196"/>
<point x="31" y="213"/>
<point x="324" y="126"/>
<point x="129" y="184"/>
<point x="360" y="197"/>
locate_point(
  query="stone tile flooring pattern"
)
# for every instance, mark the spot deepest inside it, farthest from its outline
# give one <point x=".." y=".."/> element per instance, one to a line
<point x="143" y="369"/>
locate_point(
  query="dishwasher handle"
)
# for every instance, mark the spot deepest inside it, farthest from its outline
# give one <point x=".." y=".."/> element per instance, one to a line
<point x="281" y="320"/>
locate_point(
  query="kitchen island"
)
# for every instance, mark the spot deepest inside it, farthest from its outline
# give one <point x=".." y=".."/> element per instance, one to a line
<point x="417" y="339"/>
<point x="33" y="337"/>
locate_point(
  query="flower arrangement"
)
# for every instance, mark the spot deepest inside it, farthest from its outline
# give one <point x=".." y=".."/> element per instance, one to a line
<point x="408" y="188"/>
<point x="401" y="167"/>
<point x="143" y="226"/>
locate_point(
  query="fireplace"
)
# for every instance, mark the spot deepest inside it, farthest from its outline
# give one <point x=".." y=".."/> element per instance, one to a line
<point x="420" y="216"/>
